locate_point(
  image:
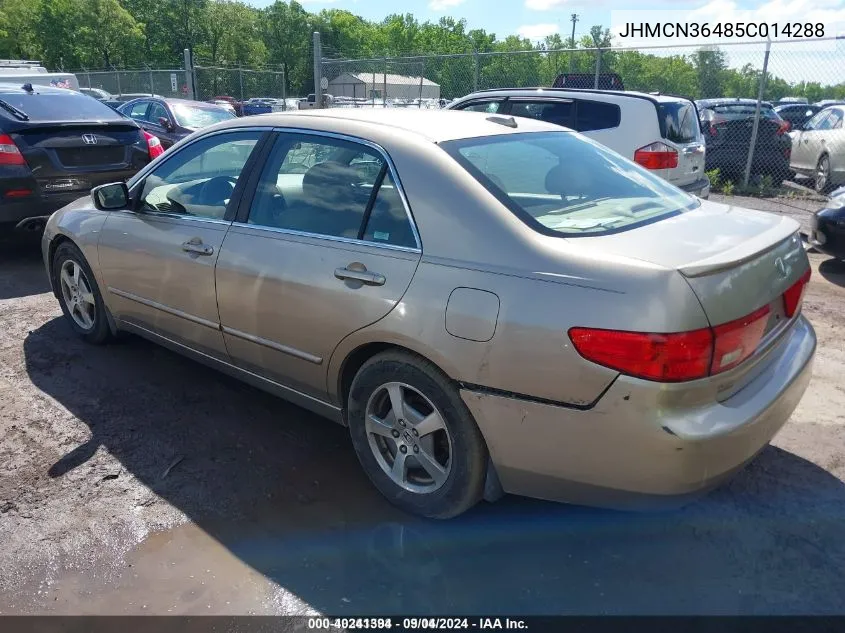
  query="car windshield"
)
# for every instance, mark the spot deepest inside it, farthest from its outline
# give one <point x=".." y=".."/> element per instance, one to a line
<point x="194" y="117"/>
<point x="562" y="183"/>
<point x="733" y="112"/>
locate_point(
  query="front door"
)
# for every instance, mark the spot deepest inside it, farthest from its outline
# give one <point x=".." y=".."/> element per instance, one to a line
<point x="805" y="149"/>
<point x="158" y="259"/>
<point x="325" y="247"/>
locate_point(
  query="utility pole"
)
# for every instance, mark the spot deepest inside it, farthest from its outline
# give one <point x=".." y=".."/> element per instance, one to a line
<point x="574" y="19"/>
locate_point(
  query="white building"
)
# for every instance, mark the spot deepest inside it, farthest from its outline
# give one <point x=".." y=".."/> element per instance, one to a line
<point x="383" y="85"/>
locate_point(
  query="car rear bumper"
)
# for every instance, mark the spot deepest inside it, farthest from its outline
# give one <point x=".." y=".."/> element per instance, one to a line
<point x="700" y="188"/>
<point x="732" y="159"/>
<point x="34" y="206"/>
<point x="626" y="451"/>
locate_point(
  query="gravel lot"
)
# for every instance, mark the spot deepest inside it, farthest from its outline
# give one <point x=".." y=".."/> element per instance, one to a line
<point x="135" y="481"/>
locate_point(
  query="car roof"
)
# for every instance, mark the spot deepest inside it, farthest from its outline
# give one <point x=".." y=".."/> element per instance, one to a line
<point x="7" y="87"/>
<point x="433" y="125"/>
<point x="520" y="92"/>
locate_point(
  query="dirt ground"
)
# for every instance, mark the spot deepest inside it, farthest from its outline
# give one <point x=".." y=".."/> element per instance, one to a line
<point x="136" y="481"/>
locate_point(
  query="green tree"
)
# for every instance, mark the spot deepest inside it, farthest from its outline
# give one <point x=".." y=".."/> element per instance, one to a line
<point x="109" y="34"/>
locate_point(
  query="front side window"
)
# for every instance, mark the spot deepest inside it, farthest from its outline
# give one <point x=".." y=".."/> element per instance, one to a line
<point x="157" y="112"/>
<point x="199" y="179"/>
<point x="819" y="122"/>
<point x="562" y="184"/>
<point x="490" y="107"/>
<point x="330" y="187"/>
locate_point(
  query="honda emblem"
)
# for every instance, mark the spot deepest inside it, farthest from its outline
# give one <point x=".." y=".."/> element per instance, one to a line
<point x="89" y="139"/>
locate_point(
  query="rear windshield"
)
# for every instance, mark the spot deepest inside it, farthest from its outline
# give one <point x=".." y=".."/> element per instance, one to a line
<point x="70" y="106"/>
<point x="560" y="183"/>
<point x="736" y="111"/>
<point x="194" y="118"/>
<point x="678" y="121"/>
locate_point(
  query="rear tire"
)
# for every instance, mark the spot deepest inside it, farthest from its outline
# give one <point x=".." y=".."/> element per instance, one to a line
<point x="79" y="296"/>
<point x="430" y="459"/>
<point x="822" y="176"/>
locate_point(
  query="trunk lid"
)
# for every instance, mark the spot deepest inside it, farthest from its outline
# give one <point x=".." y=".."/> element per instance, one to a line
<point x="735" y="260"/>
<point x="737" y="132"/>
<point x="77" y="156"/>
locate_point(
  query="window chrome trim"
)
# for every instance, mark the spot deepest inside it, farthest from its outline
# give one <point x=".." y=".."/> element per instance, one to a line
<point x="385" y="156"/>
<point x="284" y="349"/>
<point x="160" y="306"/>
<point x="328" y="238"/>
<point x="176" y="216"/>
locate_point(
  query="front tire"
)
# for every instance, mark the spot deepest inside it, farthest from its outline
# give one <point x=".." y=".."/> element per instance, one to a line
<point x="415" y="437"/>
<point x="78" y="294"/>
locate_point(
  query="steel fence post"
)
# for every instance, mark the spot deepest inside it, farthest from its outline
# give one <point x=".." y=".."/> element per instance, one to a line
<point x="598" y="69"/>
<point x="476" y="69"/>
<point x="422" y="78"/>
<point x="284" y="88"/>
<point x="756" y="124"/>
<point x="241" y="79"/>
<point x="117" y="77"/>
<point x="189" y="73"/>
<point x="384" y="85"/>
<point x="318" y="71"/>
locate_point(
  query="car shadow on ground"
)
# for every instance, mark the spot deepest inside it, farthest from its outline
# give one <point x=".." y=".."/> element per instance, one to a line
<point x="282" y="490"/>
<point x="20" y="260"/>
<point x="833" y="270"/>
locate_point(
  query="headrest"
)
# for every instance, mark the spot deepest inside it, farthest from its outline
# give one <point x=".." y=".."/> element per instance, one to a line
<point x="329" y="183"/>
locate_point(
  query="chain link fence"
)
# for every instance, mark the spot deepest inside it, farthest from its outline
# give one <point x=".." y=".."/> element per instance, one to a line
<point x="201" y="83"/>
<point x="769" y="128"/>
<point x="241" y="83"/>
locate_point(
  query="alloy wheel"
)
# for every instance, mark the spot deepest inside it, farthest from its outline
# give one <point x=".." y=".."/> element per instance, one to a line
<point x="77" y="295"/>
<point x="822" y="174"/>
<point x="408" y="437"/>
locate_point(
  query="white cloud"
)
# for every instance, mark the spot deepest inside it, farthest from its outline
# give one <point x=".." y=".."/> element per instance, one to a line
<point x="537" y="31"/>
<point x="544" y="5"/>
<point x="442" y="5"/>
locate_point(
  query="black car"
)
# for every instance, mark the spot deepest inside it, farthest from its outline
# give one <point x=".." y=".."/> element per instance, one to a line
<point x="55" y="145"/>
<point x="797" y="114"/>
<point x="727" y="126"/>
<point x="171" y="120"/>
<point x="827" y="231"/>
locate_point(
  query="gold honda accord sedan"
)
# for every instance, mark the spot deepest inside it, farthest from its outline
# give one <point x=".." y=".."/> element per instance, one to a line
<point x="491" y="305"/>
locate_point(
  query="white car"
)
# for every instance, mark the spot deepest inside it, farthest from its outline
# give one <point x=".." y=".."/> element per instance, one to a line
<point x="818" y="151"/>
<point x="659" y="132"/>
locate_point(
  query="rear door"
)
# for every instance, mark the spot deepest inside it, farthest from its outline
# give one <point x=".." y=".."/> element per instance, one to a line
<point x="313" y="257"/>
<point x="680" y="130"/>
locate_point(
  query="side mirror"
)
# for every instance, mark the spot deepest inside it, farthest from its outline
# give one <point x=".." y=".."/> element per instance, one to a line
<point x="165" y="123"/>
<point x="111" y="197"/>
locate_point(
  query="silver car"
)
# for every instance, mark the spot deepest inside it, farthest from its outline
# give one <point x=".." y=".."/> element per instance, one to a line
<point x="489" y="304"/>
<point x="818" y="151"/>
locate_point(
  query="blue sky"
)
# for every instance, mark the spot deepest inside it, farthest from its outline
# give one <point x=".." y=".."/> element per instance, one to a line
<point x="535" y="18"/>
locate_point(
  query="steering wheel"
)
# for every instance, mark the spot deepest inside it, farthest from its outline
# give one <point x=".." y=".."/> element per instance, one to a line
<point x="217" y="190"/>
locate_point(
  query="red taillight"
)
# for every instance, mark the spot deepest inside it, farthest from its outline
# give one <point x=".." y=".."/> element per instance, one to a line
<point x="9" y="152"/>
<point x="18" y="193"/>
<point x="737" y="340"/>
<point x="657" y="156"/>
<point x="785" y="126"/>
<point x="661" y="357"/>
<point x="794" y="296"/>
<point x="674" y="357"/>
<point x="153" y="144"/>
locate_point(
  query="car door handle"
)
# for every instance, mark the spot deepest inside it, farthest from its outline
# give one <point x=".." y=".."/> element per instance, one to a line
<point x="197" y="247"/>
<point x="364" y="276"/>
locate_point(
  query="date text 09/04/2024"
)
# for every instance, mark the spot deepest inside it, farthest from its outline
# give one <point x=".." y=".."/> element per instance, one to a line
<point x="415" y="624"/>
<point x="792" y="30"/>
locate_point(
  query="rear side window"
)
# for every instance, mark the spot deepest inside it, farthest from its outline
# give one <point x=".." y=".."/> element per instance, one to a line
<point x="72" y="105"/>
<point x="596" y="115"/>
<point x="678" y="122"/>
<point x="557" y="112"/>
